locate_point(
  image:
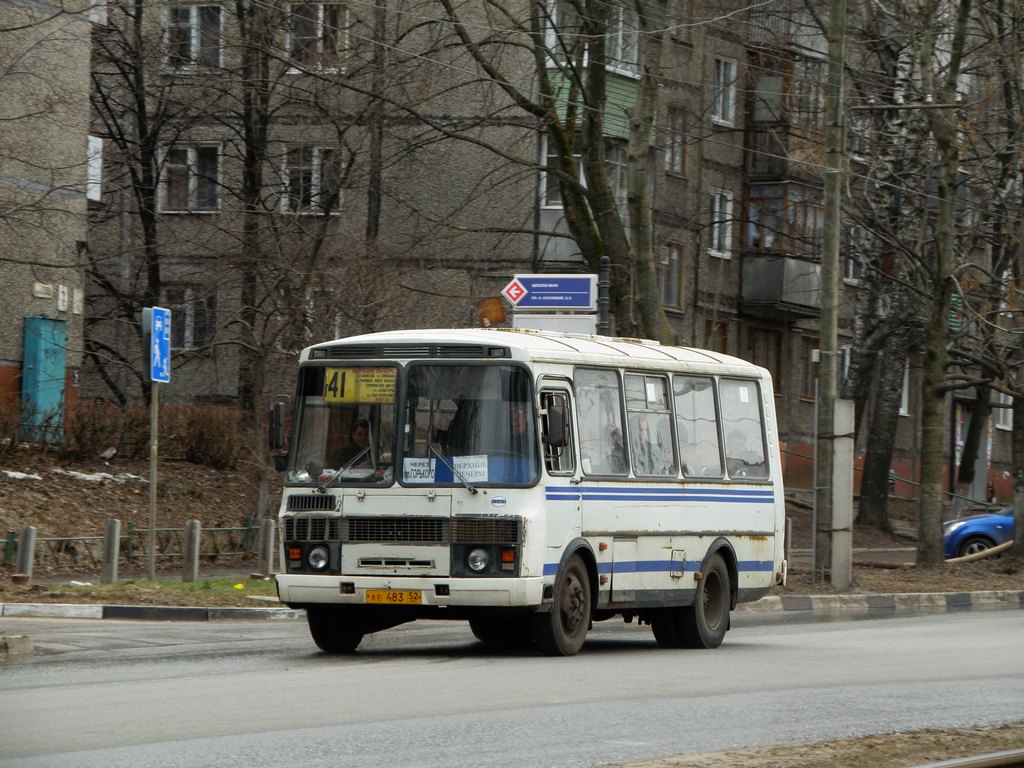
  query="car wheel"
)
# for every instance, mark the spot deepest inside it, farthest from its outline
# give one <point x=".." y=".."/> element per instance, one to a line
<point x="974" y="544"/>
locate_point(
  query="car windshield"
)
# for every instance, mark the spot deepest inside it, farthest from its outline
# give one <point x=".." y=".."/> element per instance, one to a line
<point x="345" y="426"/>
<point x="469" y="425"/>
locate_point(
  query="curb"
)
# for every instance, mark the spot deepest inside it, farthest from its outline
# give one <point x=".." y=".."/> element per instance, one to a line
<point x="825" y="605"/>
<point x="888" y="604"/>
<point x="147" y="612"/>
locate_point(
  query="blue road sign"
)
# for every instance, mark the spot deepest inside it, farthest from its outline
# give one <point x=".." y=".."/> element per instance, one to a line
<point x="552" y="292"/>
<point x="160" y="345"/>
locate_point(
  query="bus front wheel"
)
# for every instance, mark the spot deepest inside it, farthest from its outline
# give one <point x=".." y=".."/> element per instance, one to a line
<point x="703" y="624"/>
<point x="334" y="630"/>
<point x="562" y="631"/>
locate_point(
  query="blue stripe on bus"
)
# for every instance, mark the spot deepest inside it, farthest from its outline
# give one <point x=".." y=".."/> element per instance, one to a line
<point x="664" y="566"/>
<point x="658" y="494"/>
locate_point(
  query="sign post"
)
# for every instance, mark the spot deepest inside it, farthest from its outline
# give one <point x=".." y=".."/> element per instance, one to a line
<point x="156" y="326"/>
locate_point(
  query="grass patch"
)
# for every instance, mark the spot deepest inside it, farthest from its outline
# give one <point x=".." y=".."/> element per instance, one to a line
<point x="215" y="592"/>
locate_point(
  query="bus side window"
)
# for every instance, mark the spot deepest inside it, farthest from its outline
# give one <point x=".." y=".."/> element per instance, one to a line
<point x="743" y="427"/>
<point x="599" y="400"/>
<point x="650" y="426"/>
<point x="559" y="455"/>
<point x="697" y="426"/>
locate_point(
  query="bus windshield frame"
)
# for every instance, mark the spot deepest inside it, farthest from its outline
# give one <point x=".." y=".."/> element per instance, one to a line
<point x="459" y="425"/>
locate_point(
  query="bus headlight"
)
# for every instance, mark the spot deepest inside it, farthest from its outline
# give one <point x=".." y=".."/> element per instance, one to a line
<point x="478" y="560"/>
<point x="318" y="558"/>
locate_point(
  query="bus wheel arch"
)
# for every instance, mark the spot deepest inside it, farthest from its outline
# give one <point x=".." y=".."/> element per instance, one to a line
<point x="702" y="624"/>
<point x="723" y="547"/>
<point x="562" y="630"/>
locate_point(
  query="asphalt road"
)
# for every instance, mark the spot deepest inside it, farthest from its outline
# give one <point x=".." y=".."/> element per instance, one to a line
<point x="149" y="694"/>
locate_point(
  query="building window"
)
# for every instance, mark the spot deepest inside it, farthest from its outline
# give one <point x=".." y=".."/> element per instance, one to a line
<point x="316" y="35"/>
<point x="806" y="96"/>
<point x="853" y="255"/>
<point x="551" y="189"/>
<point x="615" y="170"/>
<point x="313" y="179"/>
<point x="191" y="179"/>
<point x="724" y="106"/>
<point x="720" y="241"/>
<point x="193" y="36"/>
<point x="785" y="218"/>
<point x="193" y="315"/>
<point x="681" y="19"/>
<point x="675" y="149"/>
<point x="94" y="171"/>
<point x="670" y="275"/>
<point x="1002" y="410"/>
<point x="764" y="348"/>
<point x="566" y="45"/>
<point x="621" y="41"/>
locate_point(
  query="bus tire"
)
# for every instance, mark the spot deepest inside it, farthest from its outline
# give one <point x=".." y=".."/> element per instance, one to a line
<point x="334" y="630"/>
<point x="500" y="632"/>
<point x="703" y="624"/>
<point x="562" y="631"/>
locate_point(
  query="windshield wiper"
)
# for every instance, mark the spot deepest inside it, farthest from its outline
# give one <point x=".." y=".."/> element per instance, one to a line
<point x="322" y="488"/>
<point x="455" y="472"/>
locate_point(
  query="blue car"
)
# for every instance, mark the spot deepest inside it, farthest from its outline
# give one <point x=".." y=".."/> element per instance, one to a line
<point x="977" y="533"/>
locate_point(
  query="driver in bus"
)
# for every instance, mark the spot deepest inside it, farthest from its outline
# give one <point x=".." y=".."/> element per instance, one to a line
<point x="359" y="442"/>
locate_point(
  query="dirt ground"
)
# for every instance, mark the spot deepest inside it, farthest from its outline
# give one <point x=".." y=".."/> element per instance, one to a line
<point x="62" y="499"/>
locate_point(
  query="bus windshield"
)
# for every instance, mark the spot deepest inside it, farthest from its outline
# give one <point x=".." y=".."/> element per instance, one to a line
<point x="345" y="425"/>
<point x="469" y="425"/>
<point x="461" y="425"/>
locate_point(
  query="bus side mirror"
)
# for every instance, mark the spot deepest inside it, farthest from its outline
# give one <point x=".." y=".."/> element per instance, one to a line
<point x="555" y="434"/>
<point x="275" y="426"/>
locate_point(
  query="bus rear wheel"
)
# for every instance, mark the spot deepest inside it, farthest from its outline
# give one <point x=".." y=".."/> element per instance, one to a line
<point x="703" y="624"/>
<point x="562" y="631"/>
<point x="334" y="630"/>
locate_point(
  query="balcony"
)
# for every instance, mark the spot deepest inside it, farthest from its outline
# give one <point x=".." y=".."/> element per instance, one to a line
<point x="780" y="287"/>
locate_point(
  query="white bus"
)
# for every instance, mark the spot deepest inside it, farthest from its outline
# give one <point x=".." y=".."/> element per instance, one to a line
<point x="529" y="482"/>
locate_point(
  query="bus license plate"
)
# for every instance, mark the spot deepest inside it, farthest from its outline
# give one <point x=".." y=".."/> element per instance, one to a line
<point x="394" y="596"/>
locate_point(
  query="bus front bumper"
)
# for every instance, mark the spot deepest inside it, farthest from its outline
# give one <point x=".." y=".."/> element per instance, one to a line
<point x="302" y="589"/>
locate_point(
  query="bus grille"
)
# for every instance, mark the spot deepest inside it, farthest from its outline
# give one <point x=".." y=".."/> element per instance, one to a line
<point x="418" y="530"/>
<point x="469" y="530"/>
<point x="312" y="528"/>
<point x="316" y="502"/>
<point x="405" y="530"/>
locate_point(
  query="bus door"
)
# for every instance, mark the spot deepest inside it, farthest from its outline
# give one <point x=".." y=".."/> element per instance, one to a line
<point x="562" y="489"/>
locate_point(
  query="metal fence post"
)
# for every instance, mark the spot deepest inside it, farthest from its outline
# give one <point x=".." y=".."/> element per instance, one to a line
<point x="193" y="530"/>
<point x="111" y="551"/>
<point x="10" y="546"/>
<point x="26" y="553"/>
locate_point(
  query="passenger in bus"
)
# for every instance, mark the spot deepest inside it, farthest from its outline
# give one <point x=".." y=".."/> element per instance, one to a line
<point x="740" y="458"/>
<point x="358" y="444"/>
<point x="462" y="428"/>
<point x="510" y="464"/>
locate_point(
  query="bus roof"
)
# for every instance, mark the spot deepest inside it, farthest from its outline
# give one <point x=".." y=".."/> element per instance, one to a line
<point x="523" y="344"/>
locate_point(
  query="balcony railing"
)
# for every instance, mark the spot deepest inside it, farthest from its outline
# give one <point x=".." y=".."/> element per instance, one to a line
<point x="780" y="286"/>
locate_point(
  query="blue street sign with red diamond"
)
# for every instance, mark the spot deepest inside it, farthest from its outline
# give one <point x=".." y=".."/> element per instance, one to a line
<point x="578" y="292"/>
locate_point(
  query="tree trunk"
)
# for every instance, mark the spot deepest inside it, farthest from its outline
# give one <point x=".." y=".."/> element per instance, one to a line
<point x="884" y="419"/>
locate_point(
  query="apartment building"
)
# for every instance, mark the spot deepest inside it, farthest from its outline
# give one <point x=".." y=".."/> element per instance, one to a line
<point x="44" y="183"/>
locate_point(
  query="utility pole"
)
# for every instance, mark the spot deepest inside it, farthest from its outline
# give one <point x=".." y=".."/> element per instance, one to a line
<point x="828" y="329"/>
